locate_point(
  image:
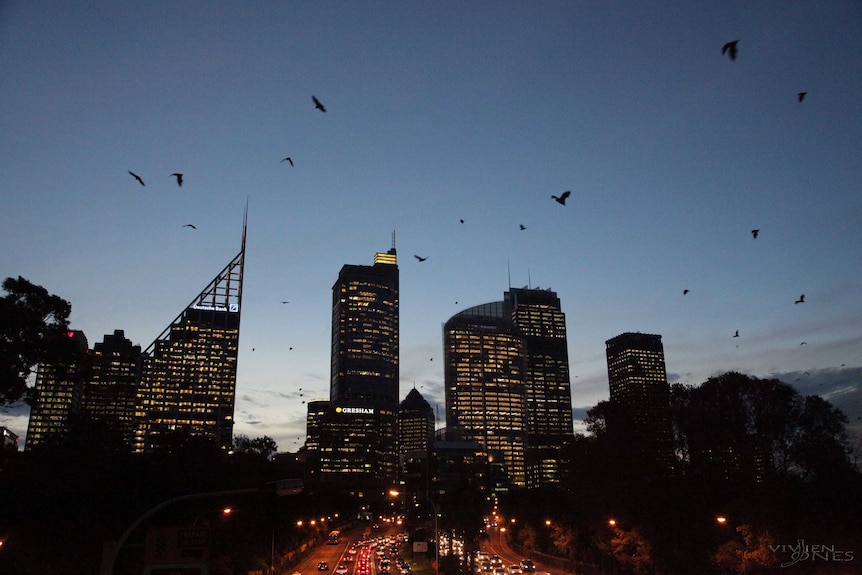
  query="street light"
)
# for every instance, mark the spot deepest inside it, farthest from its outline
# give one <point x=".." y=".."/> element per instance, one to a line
<point x="110" y="556"/>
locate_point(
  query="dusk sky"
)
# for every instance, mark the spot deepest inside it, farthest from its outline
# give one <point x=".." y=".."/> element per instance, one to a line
<point x="438" y="112"/>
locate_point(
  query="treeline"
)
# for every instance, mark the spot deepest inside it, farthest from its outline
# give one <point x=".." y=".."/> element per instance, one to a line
<point x="60" y="503"/>
<point x="741" y="469"/>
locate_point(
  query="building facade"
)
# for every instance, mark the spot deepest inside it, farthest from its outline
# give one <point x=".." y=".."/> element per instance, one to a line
<point x="640" y="397"/>
<point x="416" y="423"/>
<point x="508" y="385"/>
<point x="58" y="393"/>
<point x="188" y="376"/>
<point x="109" y="394"/>
<point x="358" y="438"/>
<point x="540" y="321"/>
<point x="485" y="383"/>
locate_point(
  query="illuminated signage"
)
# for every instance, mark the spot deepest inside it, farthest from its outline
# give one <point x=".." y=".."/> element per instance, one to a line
<point x="359" y="410"/>
<point x="231" y="308"/>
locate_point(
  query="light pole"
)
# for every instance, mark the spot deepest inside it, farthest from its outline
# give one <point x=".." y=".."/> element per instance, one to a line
<point x="436" y="539"/>
<point x="110" y="556"/>
<point x="108" y="562"/>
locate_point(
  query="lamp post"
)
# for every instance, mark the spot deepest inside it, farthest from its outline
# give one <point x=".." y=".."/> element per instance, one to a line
<point x="436" y="538"/>
<point x="110" y="556"/>
<point x="108" y="562"/>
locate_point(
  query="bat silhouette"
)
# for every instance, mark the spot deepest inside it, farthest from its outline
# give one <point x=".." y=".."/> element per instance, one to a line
<point x="562" y="199"/>
<point x="137" y="177"/>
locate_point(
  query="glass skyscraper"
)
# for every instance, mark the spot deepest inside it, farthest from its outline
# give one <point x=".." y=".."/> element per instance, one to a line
<point x="109" y="394"/>
<point x="485" y="373"/>
<point x="364" y="375"/>
<point x="539" y="319"/>
<point x="58" y="393"/>
<point x="188" y="380"/>
<point x="507" y="382"/>
<point x="640" y="395"/>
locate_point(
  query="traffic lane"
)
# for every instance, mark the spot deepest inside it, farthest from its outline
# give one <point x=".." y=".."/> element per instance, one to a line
<point x="497" y="545"/>
<point x="332" y="554"/>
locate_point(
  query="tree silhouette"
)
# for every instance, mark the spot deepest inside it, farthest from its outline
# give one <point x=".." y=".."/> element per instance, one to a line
<point x="31" y="320"/>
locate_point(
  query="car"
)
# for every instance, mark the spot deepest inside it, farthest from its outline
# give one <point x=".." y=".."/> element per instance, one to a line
<point x="341" y="570"/>
<point x="323" y="566"/>
<point x="527" y="566"/>
<point x="514" y="570"/>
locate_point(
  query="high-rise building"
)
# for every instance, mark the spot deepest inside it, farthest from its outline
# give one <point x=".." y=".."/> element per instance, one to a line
<point x="640" y="396"/>
<point x="539" y="319"/>
<point x="57" y="393"/>
<point x="485" y="384"/>
<point x="365" y="333"/>
<point x="188" y="380"/>
<point x="109" y="393"/>
<point x="364" y="374"/>
<point x="507" y="382"/>
<point x="416" y="423"/>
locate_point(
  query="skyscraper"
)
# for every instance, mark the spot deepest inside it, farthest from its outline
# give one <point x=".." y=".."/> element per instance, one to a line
<point x="109" y="394"/>
<point x="58" y="392"/>
<point x="640" y="396"/>
<point x="485" y="384"/>
<point x="539" y="319"/>
<point x="416" y="424"/>
<point x="364" y="374"/>
<point x="188" y="380"/>
<point x="507" y="382"/>
<point x="365" y="333"/>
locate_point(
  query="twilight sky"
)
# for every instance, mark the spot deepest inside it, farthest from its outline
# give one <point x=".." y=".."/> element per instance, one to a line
<point x="437" y="112"/>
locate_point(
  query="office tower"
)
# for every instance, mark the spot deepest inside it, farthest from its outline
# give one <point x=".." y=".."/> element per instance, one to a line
<point x="364" y="368"/>
<point x="485" y="375"/>
<point x="416" y="424"/>
<point x="519" y="394"/>
<point x="538" y="318"/>
<point x="640" y="396"/>
<point x="57" y="393"/>
<point x="315" y="428"/>
<point x="188" y="379"/>
<point x="109" y="393"/>
<point x="365" y="333"/>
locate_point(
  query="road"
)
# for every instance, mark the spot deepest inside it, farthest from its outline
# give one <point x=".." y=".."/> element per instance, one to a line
<point x="332" y="554"/>
<point x="496" y="545"/>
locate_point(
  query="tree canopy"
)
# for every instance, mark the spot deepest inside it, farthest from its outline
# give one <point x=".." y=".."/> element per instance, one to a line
<point x="31" y="322"/>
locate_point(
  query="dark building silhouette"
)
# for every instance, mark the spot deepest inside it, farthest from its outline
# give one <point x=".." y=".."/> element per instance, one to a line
<point x="640" y="398"/>
<point x="459" y="461"/>
<point x="109" y="393"/>
<point x="188" y="379"/>
<point x="58" y="393"/>
<point x="416" y="424"/>
<point x="357" y="431"/>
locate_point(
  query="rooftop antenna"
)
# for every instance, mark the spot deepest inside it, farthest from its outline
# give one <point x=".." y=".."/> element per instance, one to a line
<point x="529" y="279"/>
<point x="509" y="271"/>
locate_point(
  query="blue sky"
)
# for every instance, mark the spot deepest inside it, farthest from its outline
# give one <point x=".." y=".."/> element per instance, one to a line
<point x="437" y="112"/>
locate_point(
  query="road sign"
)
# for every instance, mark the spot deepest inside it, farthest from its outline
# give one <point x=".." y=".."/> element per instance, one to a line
<point x="177" y="546"/>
